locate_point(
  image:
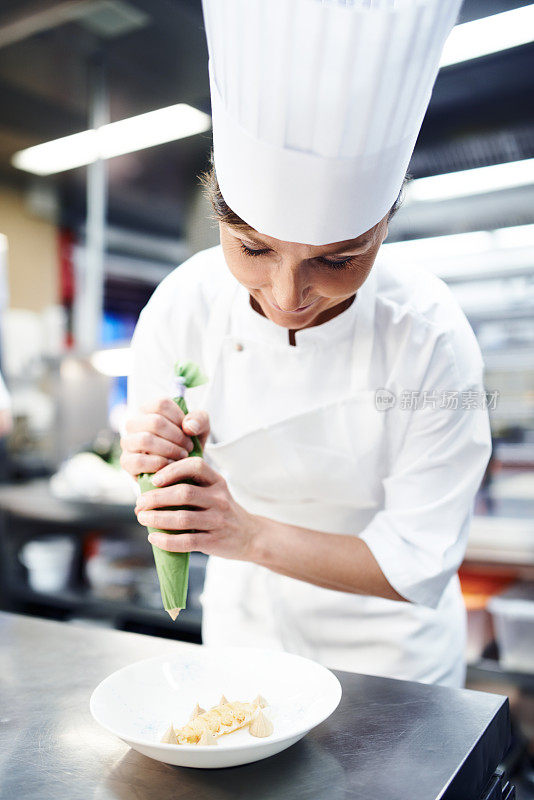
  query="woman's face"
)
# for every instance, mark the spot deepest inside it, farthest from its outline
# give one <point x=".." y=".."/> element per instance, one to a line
<point x="300" y="285"/>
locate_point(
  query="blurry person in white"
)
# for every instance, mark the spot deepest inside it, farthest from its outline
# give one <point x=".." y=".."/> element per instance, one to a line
<point x="335" y="530"/>
<point x="6" y="420"/>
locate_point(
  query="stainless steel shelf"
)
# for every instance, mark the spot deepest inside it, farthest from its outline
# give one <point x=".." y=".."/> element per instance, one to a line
<point x="501" y="540"/>
<point x="87" y="605"/>
<point x="488" y="669"/>
<point x="34" y="501"/>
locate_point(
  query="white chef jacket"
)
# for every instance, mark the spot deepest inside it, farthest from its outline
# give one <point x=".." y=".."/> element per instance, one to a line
<point x="424" y="354"/>
<point x="5" y="400"/>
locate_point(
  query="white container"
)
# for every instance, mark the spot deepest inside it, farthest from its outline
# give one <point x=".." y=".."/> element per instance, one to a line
<point x="48" y="562"/>
<point x="479" y="634"/>
<point x="513" y="614"/>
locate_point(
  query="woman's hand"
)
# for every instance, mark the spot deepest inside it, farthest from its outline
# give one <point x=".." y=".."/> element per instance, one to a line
<point x="158" y="436"/>
<point x="222" y="527"/>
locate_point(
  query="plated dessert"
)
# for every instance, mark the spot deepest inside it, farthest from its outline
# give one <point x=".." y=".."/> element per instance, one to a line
<point x="138" y="701"/>
<point x="206" y="727"/>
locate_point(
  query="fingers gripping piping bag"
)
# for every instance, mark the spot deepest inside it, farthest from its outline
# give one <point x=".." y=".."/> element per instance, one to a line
<point x="173" y="568"/>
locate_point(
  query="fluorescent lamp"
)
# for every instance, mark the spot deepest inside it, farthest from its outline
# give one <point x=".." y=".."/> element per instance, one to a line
<point x="472" y="181"/>
<point x="58" y="155"/>
<point x="114" y="139"/>
<point x="489" y="35"/>
<point x="462" y="244"/>
<point x="440" y="246"/>
<point x="473" y="256"/>
<point x="516" y="236"/>
<point x="114" y="362"/>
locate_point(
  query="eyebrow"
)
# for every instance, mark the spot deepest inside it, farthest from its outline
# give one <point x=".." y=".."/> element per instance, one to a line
<point x="251" y="237"/>
<point x="358" y="245"/>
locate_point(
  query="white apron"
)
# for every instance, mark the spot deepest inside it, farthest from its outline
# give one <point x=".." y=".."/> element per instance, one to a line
<point x="323" y="470"/>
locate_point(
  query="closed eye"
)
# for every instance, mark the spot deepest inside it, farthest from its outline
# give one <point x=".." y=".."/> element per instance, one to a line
<point x="336" y="264"/>
<point x="331" y="263"/>
<point x="251" y="252"/>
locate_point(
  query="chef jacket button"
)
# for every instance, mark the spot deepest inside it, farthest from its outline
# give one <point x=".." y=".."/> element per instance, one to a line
<point x="239" y="347"/>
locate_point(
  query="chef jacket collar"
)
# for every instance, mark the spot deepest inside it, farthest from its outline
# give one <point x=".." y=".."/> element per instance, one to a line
<point x="250" y="324"/>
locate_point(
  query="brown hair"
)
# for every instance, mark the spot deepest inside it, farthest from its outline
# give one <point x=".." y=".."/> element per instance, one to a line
<point x="223" y="213"/>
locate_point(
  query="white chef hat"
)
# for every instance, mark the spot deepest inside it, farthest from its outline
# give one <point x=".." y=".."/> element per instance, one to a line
<point x="317" y="105"/>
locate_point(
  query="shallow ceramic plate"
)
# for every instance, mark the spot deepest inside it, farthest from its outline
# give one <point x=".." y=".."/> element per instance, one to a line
<point x="138" y="703"/>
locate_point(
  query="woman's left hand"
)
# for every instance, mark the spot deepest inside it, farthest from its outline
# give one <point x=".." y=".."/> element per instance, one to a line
<point x="222" y="527"/>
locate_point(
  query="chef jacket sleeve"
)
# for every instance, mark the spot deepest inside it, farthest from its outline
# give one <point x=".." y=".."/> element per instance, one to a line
<point x="152" y="362"/>
<point x="149" y="372"/>
<point x="420" y="536"/>
<point x="169" y="329"/>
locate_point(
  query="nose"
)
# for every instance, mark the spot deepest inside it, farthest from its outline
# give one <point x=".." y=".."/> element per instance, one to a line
<point x="288" y="289"/>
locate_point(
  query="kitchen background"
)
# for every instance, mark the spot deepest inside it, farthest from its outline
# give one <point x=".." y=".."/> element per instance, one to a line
<point x="82" y="248"/>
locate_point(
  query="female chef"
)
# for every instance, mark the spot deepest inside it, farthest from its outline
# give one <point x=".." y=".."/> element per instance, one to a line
<point x="341" y="465"/>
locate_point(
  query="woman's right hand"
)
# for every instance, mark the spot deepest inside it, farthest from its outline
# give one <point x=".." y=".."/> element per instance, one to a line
<point x="158" y="435"/>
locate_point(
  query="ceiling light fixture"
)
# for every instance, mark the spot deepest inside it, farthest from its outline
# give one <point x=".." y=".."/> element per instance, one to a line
<point x="472" y="181"/>
<point x="487" y="35"/>
<point x="462" y="244"/>
<point x="115" y="139"/>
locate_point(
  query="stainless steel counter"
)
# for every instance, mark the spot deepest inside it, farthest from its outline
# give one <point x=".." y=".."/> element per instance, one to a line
<point x="388" y="740"/>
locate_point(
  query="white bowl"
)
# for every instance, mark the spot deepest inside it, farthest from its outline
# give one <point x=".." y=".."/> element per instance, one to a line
<point x="138" y="703"/>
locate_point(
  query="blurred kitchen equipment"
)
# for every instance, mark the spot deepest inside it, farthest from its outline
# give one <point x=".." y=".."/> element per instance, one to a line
<point x="88" y="477"/>
<point x="48" y="562"/>
<point x="116" y="567"/>
<point x="59" y="400"/>
<point x="120" y="569"/>
<point x="477" y="589"/>
<point x="513" y="614"/>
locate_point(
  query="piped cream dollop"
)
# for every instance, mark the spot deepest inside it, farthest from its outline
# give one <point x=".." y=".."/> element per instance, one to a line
<point x="169" y="737"/>
<point x="196" y="711"/>
<point x="261" y="701"/>
<point x="261" y="726"/>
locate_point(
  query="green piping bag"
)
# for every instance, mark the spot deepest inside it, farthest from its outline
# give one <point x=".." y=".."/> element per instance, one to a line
<point x="173" y="568"/>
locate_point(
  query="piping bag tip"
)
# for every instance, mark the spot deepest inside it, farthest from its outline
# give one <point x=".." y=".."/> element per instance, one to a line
<point x="173" y="612"/>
